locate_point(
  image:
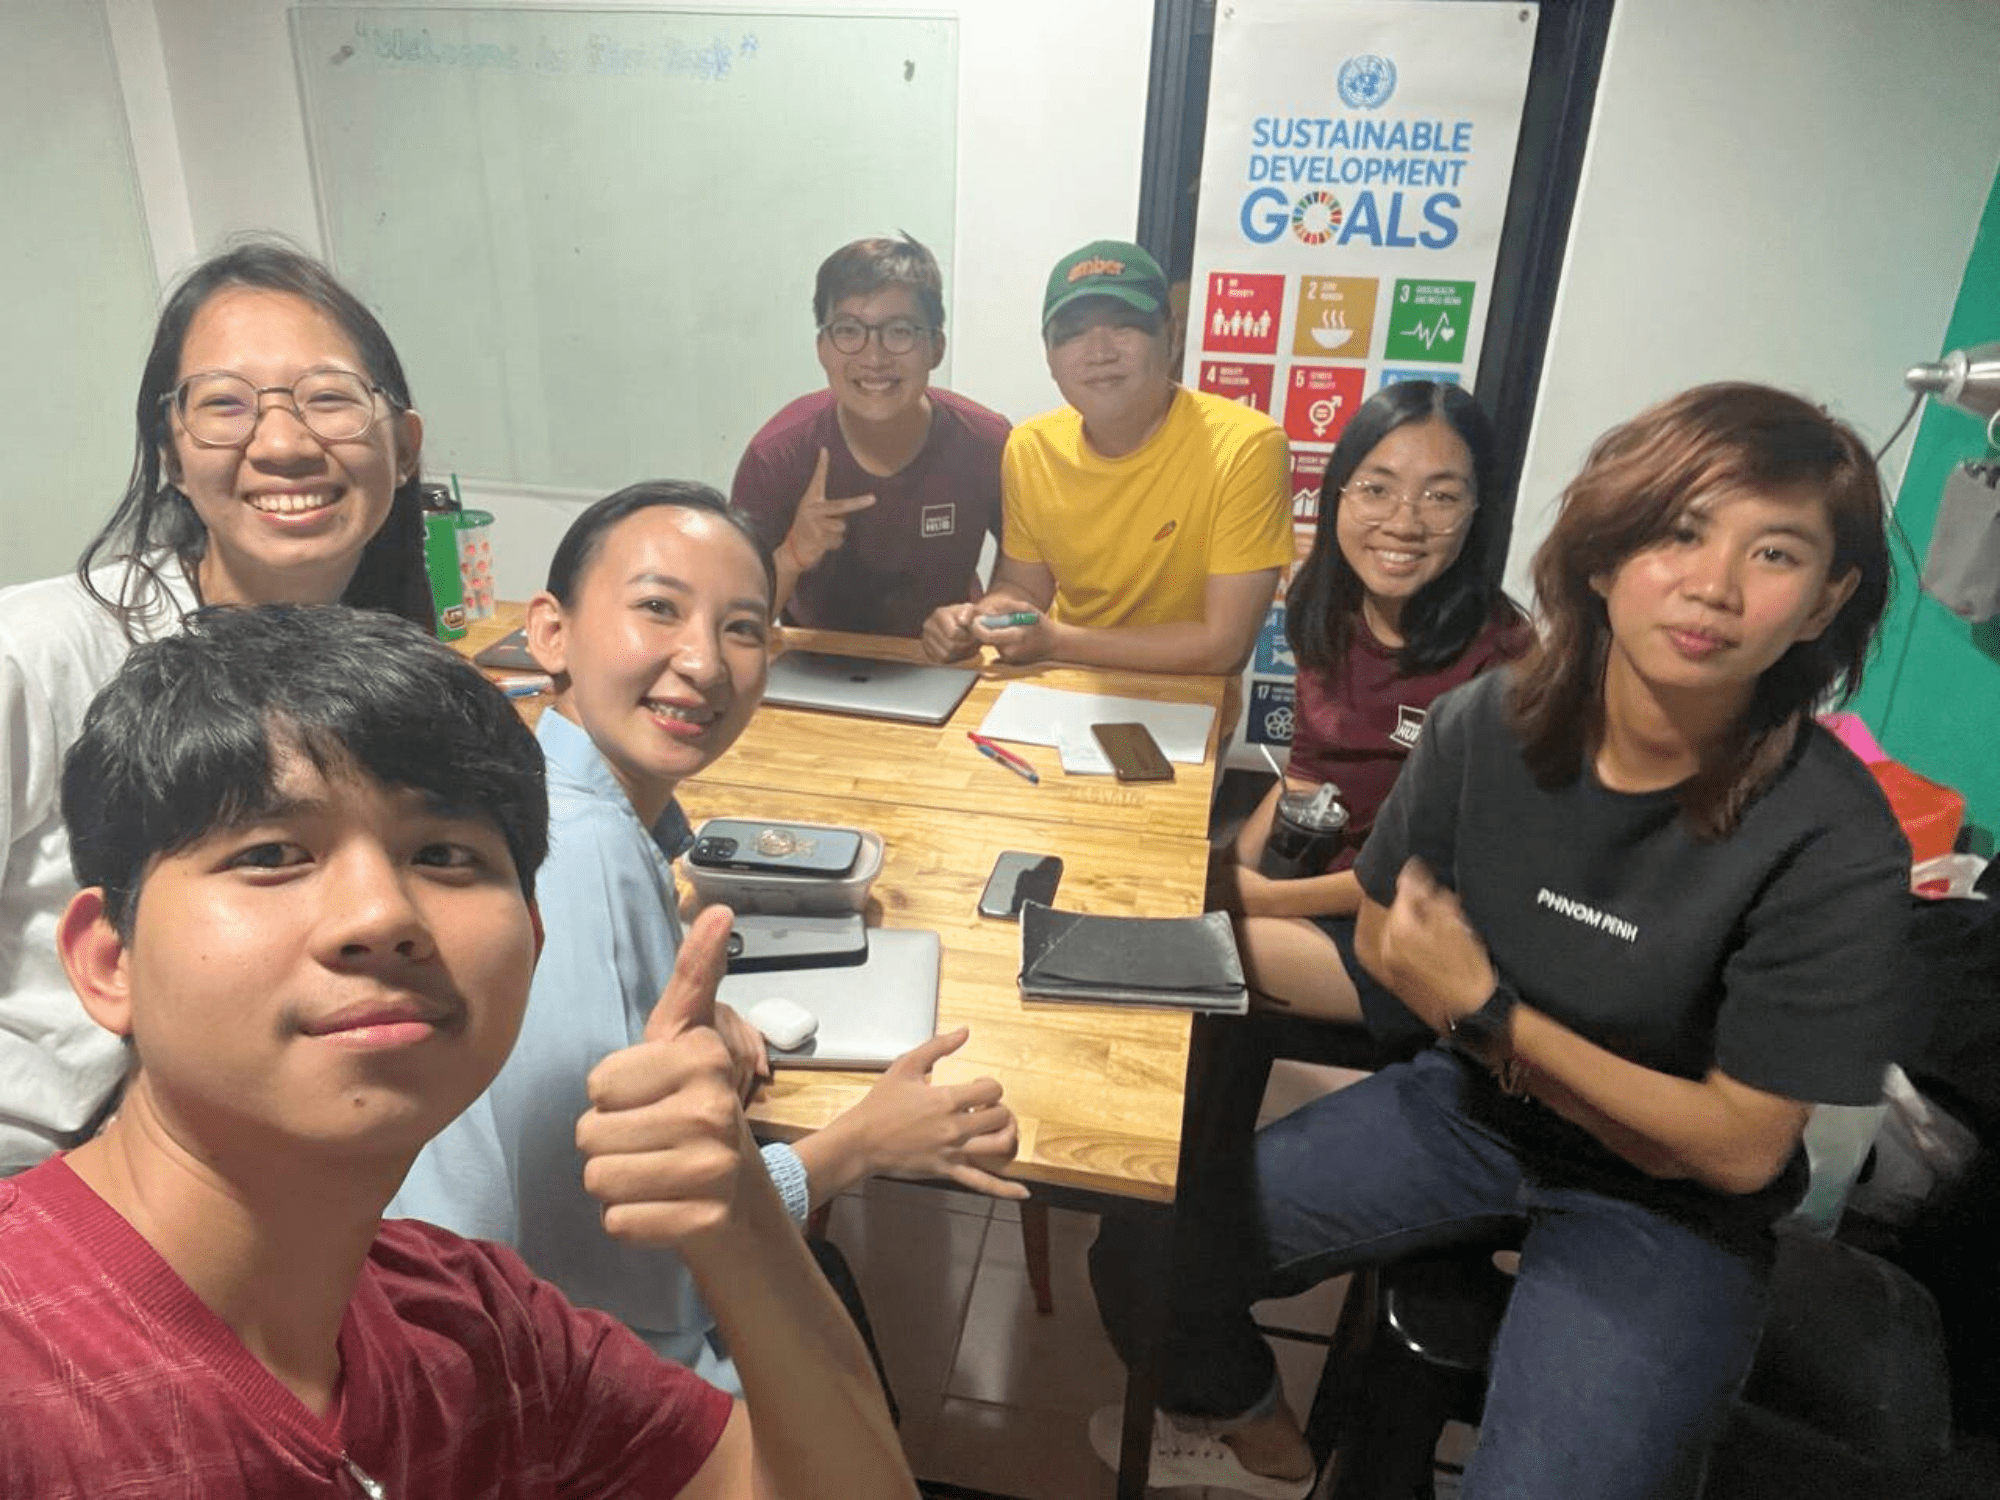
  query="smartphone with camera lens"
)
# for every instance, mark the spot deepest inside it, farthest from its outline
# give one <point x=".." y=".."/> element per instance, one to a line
<point x="1019" y="877"/>
<point x="758" y="943"/>
<point x="775" y="848"/>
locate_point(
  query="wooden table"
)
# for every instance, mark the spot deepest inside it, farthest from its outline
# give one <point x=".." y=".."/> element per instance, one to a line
<point x="1098" y="1090"/>
<point x="1101" y="1092"/>
<point x="876" y="761"/>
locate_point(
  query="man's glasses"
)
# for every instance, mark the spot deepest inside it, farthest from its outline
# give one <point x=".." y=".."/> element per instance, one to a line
<point x="897" y="336"/>
<point x="221" y="410"/>
<point x="1442" y="511"/>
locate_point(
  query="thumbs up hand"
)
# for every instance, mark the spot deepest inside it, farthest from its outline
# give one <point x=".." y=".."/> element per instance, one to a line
<point x="664" y="1142"/>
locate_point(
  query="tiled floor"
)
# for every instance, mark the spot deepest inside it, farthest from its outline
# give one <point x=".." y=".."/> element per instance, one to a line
<point x="994" y="1396"/>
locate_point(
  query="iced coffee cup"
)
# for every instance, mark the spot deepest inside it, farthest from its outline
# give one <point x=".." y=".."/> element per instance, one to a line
<point x="1306" y="832"/>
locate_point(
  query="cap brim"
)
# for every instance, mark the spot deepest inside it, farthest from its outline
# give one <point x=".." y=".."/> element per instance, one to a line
<point x="1131" y="296"/>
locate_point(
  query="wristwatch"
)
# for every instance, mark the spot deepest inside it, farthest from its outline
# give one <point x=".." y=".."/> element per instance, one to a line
<point x="1485" y="1032"/>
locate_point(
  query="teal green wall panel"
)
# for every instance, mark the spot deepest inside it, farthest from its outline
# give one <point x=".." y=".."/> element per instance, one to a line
<point x="1932" y="694"/>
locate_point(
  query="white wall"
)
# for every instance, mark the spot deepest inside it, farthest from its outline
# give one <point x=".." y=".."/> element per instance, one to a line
<point x="156" y="145"/>
<point x="1776" y="190"/>
<point x="76" y="283"/>
<point x="1051" y="123"/>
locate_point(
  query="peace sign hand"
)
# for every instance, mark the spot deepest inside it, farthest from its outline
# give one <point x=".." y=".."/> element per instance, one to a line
<point x="820" y="525"/>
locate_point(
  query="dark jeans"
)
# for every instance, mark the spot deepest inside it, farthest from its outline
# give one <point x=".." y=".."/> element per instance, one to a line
<point x="1626" y="1337"/>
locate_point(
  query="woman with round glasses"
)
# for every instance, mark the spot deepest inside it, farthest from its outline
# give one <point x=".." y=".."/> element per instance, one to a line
<point x="875" y="495"/>
<point x="276" y="461"/>
<point x="1394" y="604"/>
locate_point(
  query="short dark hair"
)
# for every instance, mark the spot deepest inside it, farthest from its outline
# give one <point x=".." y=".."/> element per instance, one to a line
<point x="875" y="265"/>
<point x="585" y="537"/>
<point x="1443" y="617"/>
<point x="191" y="734"/>
<point x="155" y="516"/>
<point x="1639" y="479"/>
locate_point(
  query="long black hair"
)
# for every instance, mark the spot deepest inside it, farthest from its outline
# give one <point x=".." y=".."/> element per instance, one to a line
<point x="154" y="516"/>
<point x="1446" y="614"/>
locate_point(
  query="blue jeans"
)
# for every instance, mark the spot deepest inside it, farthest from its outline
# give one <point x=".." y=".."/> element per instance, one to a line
<point x="1627" y="1335"/>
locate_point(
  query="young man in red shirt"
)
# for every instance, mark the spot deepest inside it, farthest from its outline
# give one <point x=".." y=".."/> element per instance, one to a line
<point x="308" y="838"/>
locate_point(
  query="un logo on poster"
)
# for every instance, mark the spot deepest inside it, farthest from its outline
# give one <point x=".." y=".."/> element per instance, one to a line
<point x="1367" y="81"/>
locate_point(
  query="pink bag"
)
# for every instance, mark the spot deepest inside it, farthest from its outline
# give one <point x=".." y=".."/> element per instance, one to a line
<point x="1854" y="734"/>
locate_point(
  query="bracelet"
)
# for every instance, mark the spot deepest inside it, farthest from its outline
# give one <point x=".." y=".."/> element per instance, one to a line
<point x="788" y="1176"/>
<point x="797" y="562"/>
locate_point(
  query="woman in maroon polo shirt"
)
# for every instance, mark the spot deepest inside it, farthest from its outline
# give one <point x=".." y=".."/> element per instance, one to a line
<point x="1395" y="603"/>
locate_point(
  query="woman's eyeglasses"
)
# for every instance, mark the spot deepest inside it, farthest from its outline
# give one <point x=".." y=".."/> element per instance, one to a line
<point x="221" y="410"/>
<point x="1441" y="510"/>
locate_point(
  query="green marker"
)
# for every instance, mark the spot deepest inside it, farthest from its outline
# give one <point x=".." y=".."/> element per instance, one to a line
<point x="1003" y="622"/>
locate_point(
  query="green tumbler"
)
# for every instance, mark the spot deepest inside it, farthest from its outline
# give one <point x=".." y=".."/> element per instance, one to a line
<point x="441" y="561"/>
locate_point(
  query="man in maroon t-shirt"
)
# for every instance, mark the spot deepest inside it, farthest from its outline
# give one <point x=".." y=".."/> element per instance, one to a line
<point x="876" y="495"/>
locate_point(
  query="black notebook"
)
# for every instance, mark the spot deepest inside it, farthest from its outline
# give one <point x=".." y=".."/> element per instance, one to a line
<point x="1186" y="962"/>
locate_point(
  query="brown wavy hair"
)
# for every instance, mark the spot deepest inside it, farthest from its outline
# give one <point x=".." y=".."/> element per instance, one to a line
<point x="1635" y="485"/>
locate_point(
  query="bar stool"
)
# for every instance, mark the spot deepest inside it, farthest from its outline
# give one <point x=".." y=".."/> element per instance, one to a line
<point x="1849" y="1393"/>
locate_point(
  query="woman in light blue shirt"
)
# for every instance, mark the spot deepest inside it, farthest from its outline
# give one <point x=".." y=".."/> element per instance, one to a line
<point x="655" y="628"/>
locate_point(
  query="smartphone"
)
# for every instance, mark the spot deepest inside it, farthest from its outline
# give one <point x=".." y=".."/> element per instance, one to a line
<point x="775" y="848"/>
<point x="1019" y="877"/>
<point x="1133" y="752"/>
<point x="760" y="943"/>
<point x="509" y="654"/>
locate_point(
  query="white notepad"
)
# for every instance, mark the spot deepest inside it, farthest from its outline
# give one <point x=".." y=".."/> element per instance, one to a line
<point x="1031" y="715"/>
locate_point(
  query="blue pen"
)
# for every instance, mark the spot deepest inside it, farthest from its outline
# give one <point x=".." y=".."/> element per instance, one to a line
<point x="1012" y="762"/>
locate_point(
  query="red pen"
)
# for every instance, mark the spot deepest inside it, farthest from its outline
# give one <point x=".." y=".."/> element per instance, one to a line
<point x="1006" y="757"/>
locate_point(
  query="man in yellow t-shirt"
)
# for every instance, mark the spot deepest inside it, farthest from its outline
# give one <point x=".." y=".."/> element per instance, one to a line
<point x="1145" y="524"/>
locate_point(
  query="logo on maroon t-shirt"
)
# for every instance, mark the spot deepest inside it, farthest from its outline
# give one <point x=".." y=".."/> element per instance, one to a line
<point x="1409" y="724"/>
<point x="938" y="520"/>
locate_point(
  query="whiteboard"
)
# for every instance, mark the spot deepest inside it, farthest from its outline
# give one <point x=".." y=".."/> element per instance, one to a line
<point x="592" y="234"/>
<point x="77" y="289"/>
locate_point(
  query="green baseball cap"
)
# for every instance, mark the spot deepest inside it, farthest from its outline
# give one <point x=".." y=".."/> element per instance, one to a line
<point x="1106" y="268"/>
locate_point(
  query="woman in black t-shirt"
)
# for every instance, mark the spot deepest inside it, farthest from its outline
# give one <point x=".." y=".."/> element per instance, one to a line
<point x="1651" y="910"/>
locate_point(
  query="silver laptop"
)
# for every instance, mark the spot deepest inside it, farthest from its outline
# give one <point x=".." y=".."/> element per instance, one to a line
<point x="915" y="692"/>
<point x="869" y="1014"/>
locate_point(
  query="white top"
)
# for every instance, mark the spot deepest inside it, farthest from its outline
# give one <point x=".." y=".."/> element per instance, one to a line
<point x="58" y="646"/>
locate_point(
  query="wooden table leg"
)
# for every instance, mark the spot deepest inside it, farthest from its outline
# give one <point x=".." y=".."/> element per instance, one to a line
<point x="1201" y="1133"/>
<point x="1035" y="1249"/>
<point x="1152" y="1256"/>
